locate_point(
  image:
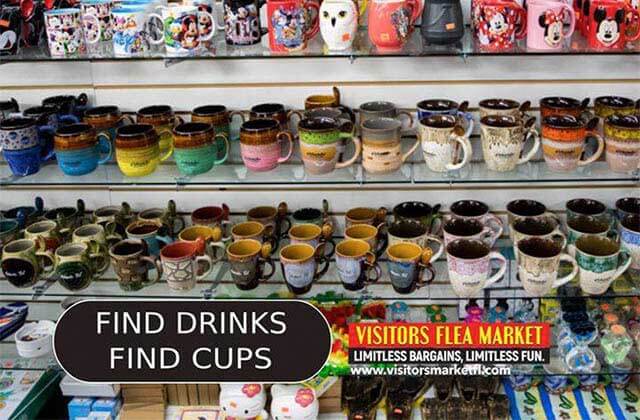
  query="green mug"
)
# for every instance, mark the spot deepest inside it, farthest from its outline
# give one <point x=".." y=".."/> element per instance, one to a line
<point x="24" y="261"/>
<point x="196" y="148"/>
<point x="75" y="265"/>
<point x="97" y="239"/>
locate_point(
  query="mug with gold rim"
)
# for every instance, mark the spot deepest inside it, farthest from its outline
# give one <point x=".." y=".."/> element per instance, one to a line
<point x="302" y="265"/>
<point x="314" y="235"/>
<point x="407" y="263"/>
<point x="375" y="236"/>
<point x="356" y="264"/>
<point x="248" y="259"/>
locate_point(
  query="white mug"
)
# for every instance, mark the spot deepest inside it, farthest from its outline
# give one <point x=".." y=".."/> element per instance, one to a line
<point x="338" y="23"/>
<point x="183" y="32"/>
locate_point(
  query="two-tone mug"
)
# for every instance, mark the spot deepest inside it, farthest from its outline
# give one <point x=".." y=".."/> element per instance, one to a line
<point x="68" y="218"/>
<point x="477" y="210"/>
<point x="382" y="145"/>
<point x="538" y="227"/>
<point x="365" y="215"/>
<point x="213" y="216"/>
<point x="469" y="263"/>
<point x="457" y="228"/>
<point x="605" y="106"/>
<point x="312" y="215"/>
<point x="254" y="230"/>
<point x="356" y="264"/>
<point x="273" y="111"/>
<point x="630" y="238"/>
<point x="314" y="235"/>
<point x="168" y="217"/>
<point x="585" y="225"/>
<point x="220" y="118"/>
<point x="442" y="139"/>
<point x="163" y="120"/>
<point x="25" y="261"/>
<point x="138" y="150"/>
<point x="421" y="212"/>
<point x="9" y="231"/>
<point x="627" y="205"/>
<point x="373" y="235"/>
<point x="601" y="261"/>
<point x="248" y="259"/>
<point x="538" y="263"/>
<point x="275" y="217"/>
<point x="322" y="143"/>
<point x="302" y="264"/>
<point x="622" y="142"/>
<point x="429" y="107"/>
<point x="525" y="209"/>
<point x="407" y="264"/>
<point x="195" y="148"/>
<point x="261" y="143"/>
<point x="97" y="239"/>
<point x="119" y="216"/>
<point x="75" y="265"/>
<point x="153" y="233"/>
<point x="562" y="105"/>
<point x="79" y="149"/>
<point x="46" y="231"/>
<point x="20" y="142"/>
<point x="411" y="231"/>
<point x="131" y="264"/>
<point x="564" y="138"/>
<point x="207" y="239"/>
<point x="588" y="207"/>
<point x="503" y="106"/>
<point x="384" y="109"/>
<point x="182" y="264"/>
<point x="106" y="119"/>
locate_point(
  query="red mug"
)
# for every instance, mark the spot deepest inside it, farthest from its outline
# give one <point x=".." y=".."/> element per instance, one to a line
<point x="605" y="23"/>
<point x="498" y="24"/>
<point x="291" y="24"/>
<point x="391" y="22"/>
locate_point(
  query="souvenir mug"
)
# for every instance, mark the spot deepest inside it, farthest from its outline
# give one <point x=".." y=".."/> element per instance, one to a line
<point x="457" y="228"/>
<point x="64" y="31"/>
<point x="131" y="264"/>
<point x="372" y="235"/>
<point x="182" y="262"/>
<point x="564" y="139"/>
<point x="312" y="215"/>
<point x="25" y="215"/>
<point x="545" y="24"/>
<point x="291" y="24"/>
<point x="321" y="144"/>
<point x="114" y="218"/>
<point x="75" y="265"/>
<point x="210" y="237"/>
<point x="585" y="225"/>
<point x="477" y="210"/>
<point x="261" y="144"/>
<point x="605" y="106"/>
<point x="356" y="264"/>
<point x="587" y="207"/>
<point x="138" y="150"/>
<point x="407" y="264"/>
<point x="560" y="105"/>
<point x="78" y="149"/>
<point x="626" y="206"/>
<point x="48" y="121"/>
<point x="101" y="10"/>
<point x="365" y="215"/>
<point x="273" y="217"/>
<point x="163" y="120"/>
<point x="183" y="34"/>
<point x="540" y="227"/>
<point x="302" y="264"/>
<point x="411" y="231"/>
<point x="207" y="20"/>
<point x="153" y="233"/>
<point x="323" y="101"/>
<point x="254" y="230"/>
<point x="67" y="104"/>
<point x="273" y="111"/>
<point x="499" y="24"/>
<point x="391" y="22"/>
<point x="165" y="216"/>
<point x="622" y="142"/>
<point x="242" y="22"/>
<point x="21" y="146"/>
<point x="25" y="261"/>
<point x="630" y="238"/>
<point x="503" y="139"/>
<point x="501" y="106"/>
<point x="9" y="231"/>
<point x="382" y="145"/>
<point x="606" y="22"/>
<point x="130" y="34"/>
<point x="338" y="23"/>
<point x="314" y="235"/>
<point x="430" y="107"/>
<point x="601" y="261"/>
<point x="220" y="118"/>
<point x="97" y="239"/>
<point x="538" y="263"/>
<point x="420" y="212"/>
<point x="46" y="231"/>
<point x="195" y="148"/>
<point x="68" y="218"/>
<point x="441" y="138"/>
<point x="248" y="259"/>
<point x="469" y="266"/>
<point x="213" y="216"/>
<point x="383" y="109"/>
<point x="106" y="119"/>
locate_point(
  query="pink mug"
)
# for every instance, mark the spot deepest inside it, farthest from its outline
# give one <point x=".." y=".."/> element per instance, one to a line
<point x="545" y="26"/>
<point x="391" y="22"/>
<point x="261" y="144"/>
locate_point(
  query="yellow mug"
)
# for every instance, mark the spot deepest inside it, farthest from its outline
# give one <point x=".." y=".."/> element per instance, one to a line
<point x="138" y="150"/>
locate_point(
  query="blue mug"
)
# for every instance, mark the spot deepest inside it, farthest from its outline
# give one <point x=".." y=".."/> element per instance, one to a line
<point x="48" y="121"/>
<point x="430" y="107"/>
<point x="153" y="233"/>
<point x="25" y="161"/>
<point x="78" y="149"/>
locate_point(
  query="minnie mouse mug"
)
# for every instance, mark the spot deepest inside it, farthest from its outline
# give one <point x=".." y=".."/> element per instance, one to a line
<point x="545" y="24"/>
<point x="497" y="24"/>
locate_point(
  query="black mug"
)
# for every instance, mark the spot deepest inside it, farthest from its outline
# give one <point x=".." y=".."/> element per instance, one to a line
<point x="242" y="22"/>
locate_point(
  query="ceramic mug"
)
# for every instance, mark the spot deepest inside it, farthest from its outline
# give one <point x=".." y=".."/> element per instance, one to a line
<point x="242" y="22"/>
<point x="604" y="106"/>
<point x="165" y="216"/>
<point x="21" y="145"/>
<point x="564" y="139"/>
<point x="114" y="218"/>
<point x="457" y="228"/>
<point x="23" y="162"/>
<point x="585" y="225"/>
<point x="414" y="232"/>
<point x="469" y="264"/>
<point x="46" y="231"/>
<point x="321" y="144"/>
<point x="153" y="233"/>
<point x="48" y="121"/>
<point x="106" y="119"/>
<point x="538" y="263"/>
<point x="499" y="24"/>
<point x="9" y="231"/>
<point x="79" y="150"/>
<point x="248" y="258"/>
<point x="261" y="144"/>
<point x="130" y="30"/>
<point x="97" y="239"/>
<point x="312" y="215"/>
<point x="68" y="218"/>
<point x="323" y="101"/>
<point x="630" y="238"/>
<point x="382" y="145"/>
<point x="101" y="10"/>
<point x="503" y="139"/>
<point x="195" y="148"/>
<point x="291" y="24"/>
<point x="441" y="138"/>
<point x="25" y="215"/>
<point x="138" y="150"/>
<point x="25" y="261"/>
<point x="254" y="230"/>
<point x="273" y="111"/>
<point x="132" y="265"/>
<point x="213" y="216"/>
<point x="302" y="264"/>
<point x="372" y="235"/>
<point x="64" y="32"/>
<point x="182" y="262"/>
<point x="391" y="22"/>
<point x="502" y="106"/>
<point x="338" y="24"/>
<point x="539" y="227"/>
<point x="365" y="215"/>
<point x="626" y="206"/>
<point x="163" y="120"/>
<point x="601" y="261"/>
<point x="606" y="23"/>
<point x="622" y="142"/>
<point x="477" y="210"/>
<point x="545" y="24"/>
<point x="420" y="212"/>
<point x="274" y="217"/>
<point x="587" y="207"/>
<point x="67" y="104"/>
<point x="211" y="237"/>
<point x="313" y="235"/>
<point x="356" y="264"/>
<point x="525" y="209"/>
<point x="561" y="105"/>
<point x="407" y="263"/>
<point x="183" y="33"/>
<point x="75" y="266"/>
<point x="383" y="109"/>
<point x="220" y="118"/>
<point x="429" y="107"/>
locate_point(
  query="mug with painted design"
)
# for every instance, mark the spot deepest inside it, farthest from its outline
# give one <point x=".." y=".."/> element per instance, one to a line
<point x="183" y="265"/>
<point x="80" y="149"/>
<point x="622" y="142"/>
<point x="407" y="264"/>
<point x="356" y="264"/>
<point x="538" y="265"/>
<point x="322" y="143"/>
<point x="220" y="118"/>
<point x="248" y="259"/>
<point x="503" y="141"/>
<point x="196" y="150"/>
<point x="442" y="139"/>
<point x="561" y="105"/>
<point x="106" y="118"/>
<point x="601" y="260"/>
<point x="503" y="106"/>
<point x="302" y="265"/>
<point x="564" y="138"/>
<point x="469" y="264"/>
<point x="25" y="261"/>
<point x="382" y="145"/>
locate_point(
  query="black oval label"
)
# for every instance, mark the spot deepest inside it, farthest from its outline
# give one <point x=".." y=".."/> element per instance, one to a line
<point x="192" y="341"/>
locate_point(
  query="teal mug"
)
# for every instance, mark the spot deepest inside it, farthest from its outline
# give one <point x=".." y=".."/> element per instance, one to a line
<point x="195" y="148"/>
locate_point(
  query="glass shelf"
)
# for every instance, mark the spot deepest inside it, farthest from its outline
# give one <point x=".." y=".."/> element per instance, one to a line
<point x="415" y="47"/>
<point x="11" y="360"/>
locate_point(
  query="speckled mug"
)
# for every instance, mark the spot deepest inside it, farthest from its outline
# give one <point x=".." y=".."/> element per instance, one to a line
<point x="622" y="142"/>
<point x="503" y="139"/>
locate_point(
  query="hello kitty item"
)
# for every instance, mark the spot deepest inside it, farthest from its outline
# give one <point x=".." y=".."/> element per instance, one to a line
<point x="338" y="23"/>
<point x="294" y="402"/>
<point x="243" y="401"/>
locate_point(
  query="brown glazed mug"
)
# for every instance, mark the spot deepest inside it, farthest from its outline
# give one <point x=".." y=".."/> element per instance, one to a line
<point x="274" y="217"/>
<point x="366" y="216"/>
<point x="106" y="117"/>
<point x="162" y="118"/>
<point x="500" y="106"/>
<point x="261" y="144"/>
<point x="321" y="101"/>
<point x="605" y="106"/>
<point x="525" y="208"/>
<point x="131" y="264"/>
<point x="253" y="230"/>
<point x="382" y="145"/>
<point x="564" y="138"/>
<point x="213" y="216"/>
<point x="560" y="105"/>
<point x="138" y="149"/>
<point x="220" y="118"/>
<point x="273" y="111"/>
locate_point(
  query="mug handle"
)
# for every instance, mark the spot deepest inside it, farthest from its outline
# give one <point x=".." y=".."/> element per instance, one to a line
<point x="97" y="23"/>
<point x="321" y="260"/>
<point x="625" y="261"/>
<point x="315" y="25"/>
<point x="522" y="30"/>
<point x="125" y="118"/>
<point x="101" y="258"/>
<point x="266" y="261"/>
<point x="598" y="151"/>
<point x="495" y="224"/>
<point x="238" y="113"/>
<point x="557" y="233"/>
<point x="411" y="150"/>
<point x="383" y="241"/>
<point x="207" y="260"/>
<point x="468" y="117"/>
<point x="289" y="138"/>
<point x="160" y="40"/>
<point x="494" y="255"/>
<point x="422" y="269"/>
<point x="467" y="152"/>
<point x="225" y="229"/>
<point x="219" y="245"/>
<point x="104" y="143"/>
<point x="440" y="250"/>
<point x="52" y="259"/>
<point x="226" y="148"/>
<point x="330" y="254"/>
<point x="175" y="222"/>
<point x="409" y="116"/>
<point x="531" y="133"/>
<point x="572" y="21"/>
<point x="356" y="153"/>
<point x="371" y="265"/>
<point x="168" y="153"/>
<point x="214" y="25"/>
<point x="292" y="113"/>
<point x="155" y="262"/>
<point x="49" y="132"/>
<point x="574" y="271"/>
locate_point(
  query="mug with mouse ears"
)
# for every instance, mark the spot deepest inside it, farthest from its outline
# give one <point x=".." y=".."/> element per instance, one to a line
<point x="183" y="32"/>
<point x="291" y="24"/>
<point x="545" y="26"/>
<point x="498" y="24"/>
<point x="605" y="23"/>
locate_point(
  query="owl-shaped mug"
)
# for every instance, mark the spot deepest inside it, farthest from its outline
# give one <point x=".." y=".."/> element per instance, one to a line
<point x="338" y="23"/>
<point x="391" y="22"/>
